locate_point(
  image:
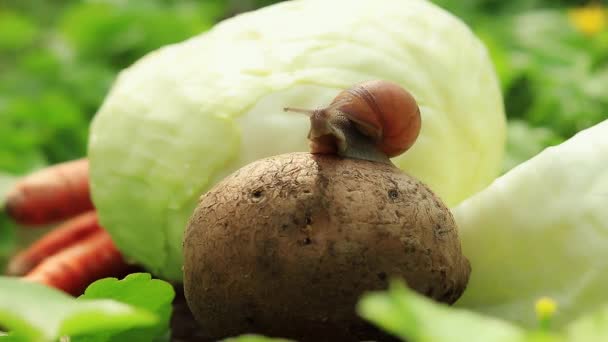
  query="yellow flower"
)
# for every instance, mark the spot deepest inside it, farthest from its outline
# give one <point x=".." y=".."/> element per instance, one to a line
<point x="590" y="19"/>
<point x="545" y="308"/>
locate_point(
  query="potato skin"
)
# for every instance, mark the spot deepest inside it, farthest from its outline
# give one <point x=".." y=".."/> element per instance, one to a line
<point x="286" y="245"/>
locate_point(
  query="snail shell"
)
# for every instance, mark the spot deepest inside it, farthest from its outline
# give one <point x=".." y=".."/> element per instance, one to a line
<point x="382" y="110"/>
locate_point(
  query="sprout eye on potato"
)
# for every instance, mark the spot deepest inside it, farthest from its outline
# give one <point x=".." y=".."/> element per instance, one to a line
<point x="286" y="245"/>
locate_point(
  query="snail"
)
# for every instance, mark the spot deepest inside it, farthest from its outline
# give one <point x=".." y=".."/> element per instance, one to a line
<point x="373" y="120"/>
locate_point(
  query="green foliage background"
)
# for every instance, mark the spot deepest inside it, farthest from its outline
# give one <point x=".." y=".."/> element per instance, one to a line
<point x="59" y="58"/>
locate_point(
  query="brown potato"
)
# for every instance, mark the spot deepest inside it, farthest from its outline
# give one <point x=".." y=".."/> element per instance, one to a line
<point x="287" y="245"/>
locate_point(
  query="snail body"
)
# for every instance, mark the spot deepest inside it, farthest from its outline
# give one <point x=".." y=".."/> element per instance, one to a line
<point x="374" y="120"/>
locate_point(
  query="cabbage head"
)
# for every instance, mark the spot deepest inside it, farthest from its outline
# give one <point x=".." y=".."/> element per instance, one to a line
<point x="187" y="115"/>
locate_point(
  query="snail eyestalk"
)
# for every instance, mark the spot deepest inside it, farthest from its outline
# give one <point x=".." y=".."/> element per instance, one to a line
<point x="308" y="112"/>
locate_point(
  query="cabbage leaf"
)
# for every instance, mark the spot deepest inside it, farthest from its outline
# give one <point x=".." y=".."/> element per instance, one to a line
<point x="35" y="312"/>
<point x="541" y="230"/>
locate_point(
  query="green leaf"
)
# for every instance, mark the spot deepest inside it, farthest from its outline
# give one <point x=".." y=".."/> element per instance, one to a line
<point x="4" y="337"/>
<point x="138" y="290"/>
<point x="121" y="32"/>
<point x="415" y="318"/>
<point x="16" y="31"/>
<point x="589" y="328"/>
<point x="254" y="338"/>
<point x="39" y="313"/>
<point x="558" y="79"/>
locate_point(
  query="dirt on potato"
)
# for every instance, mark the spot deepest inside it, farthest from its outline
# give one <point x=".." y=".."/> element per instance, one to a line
<point x="287" y="245"/>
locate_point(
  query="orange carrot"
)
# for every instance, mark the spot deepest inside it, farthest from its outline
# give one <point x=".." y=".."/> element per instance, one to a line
<point x="75" y="267"/>
<point x="65" y="235"/>
<point x="51" y="195"/>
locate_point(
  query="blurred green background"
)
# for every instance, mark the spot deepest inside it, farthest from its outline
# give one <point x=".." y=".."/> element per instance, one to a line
<point x="58" y="59"/>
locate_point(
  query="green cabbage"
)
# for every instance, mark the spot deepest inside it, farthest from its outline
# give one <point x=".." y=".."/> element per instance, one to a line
<point x="189" y="114"/>
<point x="541" y="230"/>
